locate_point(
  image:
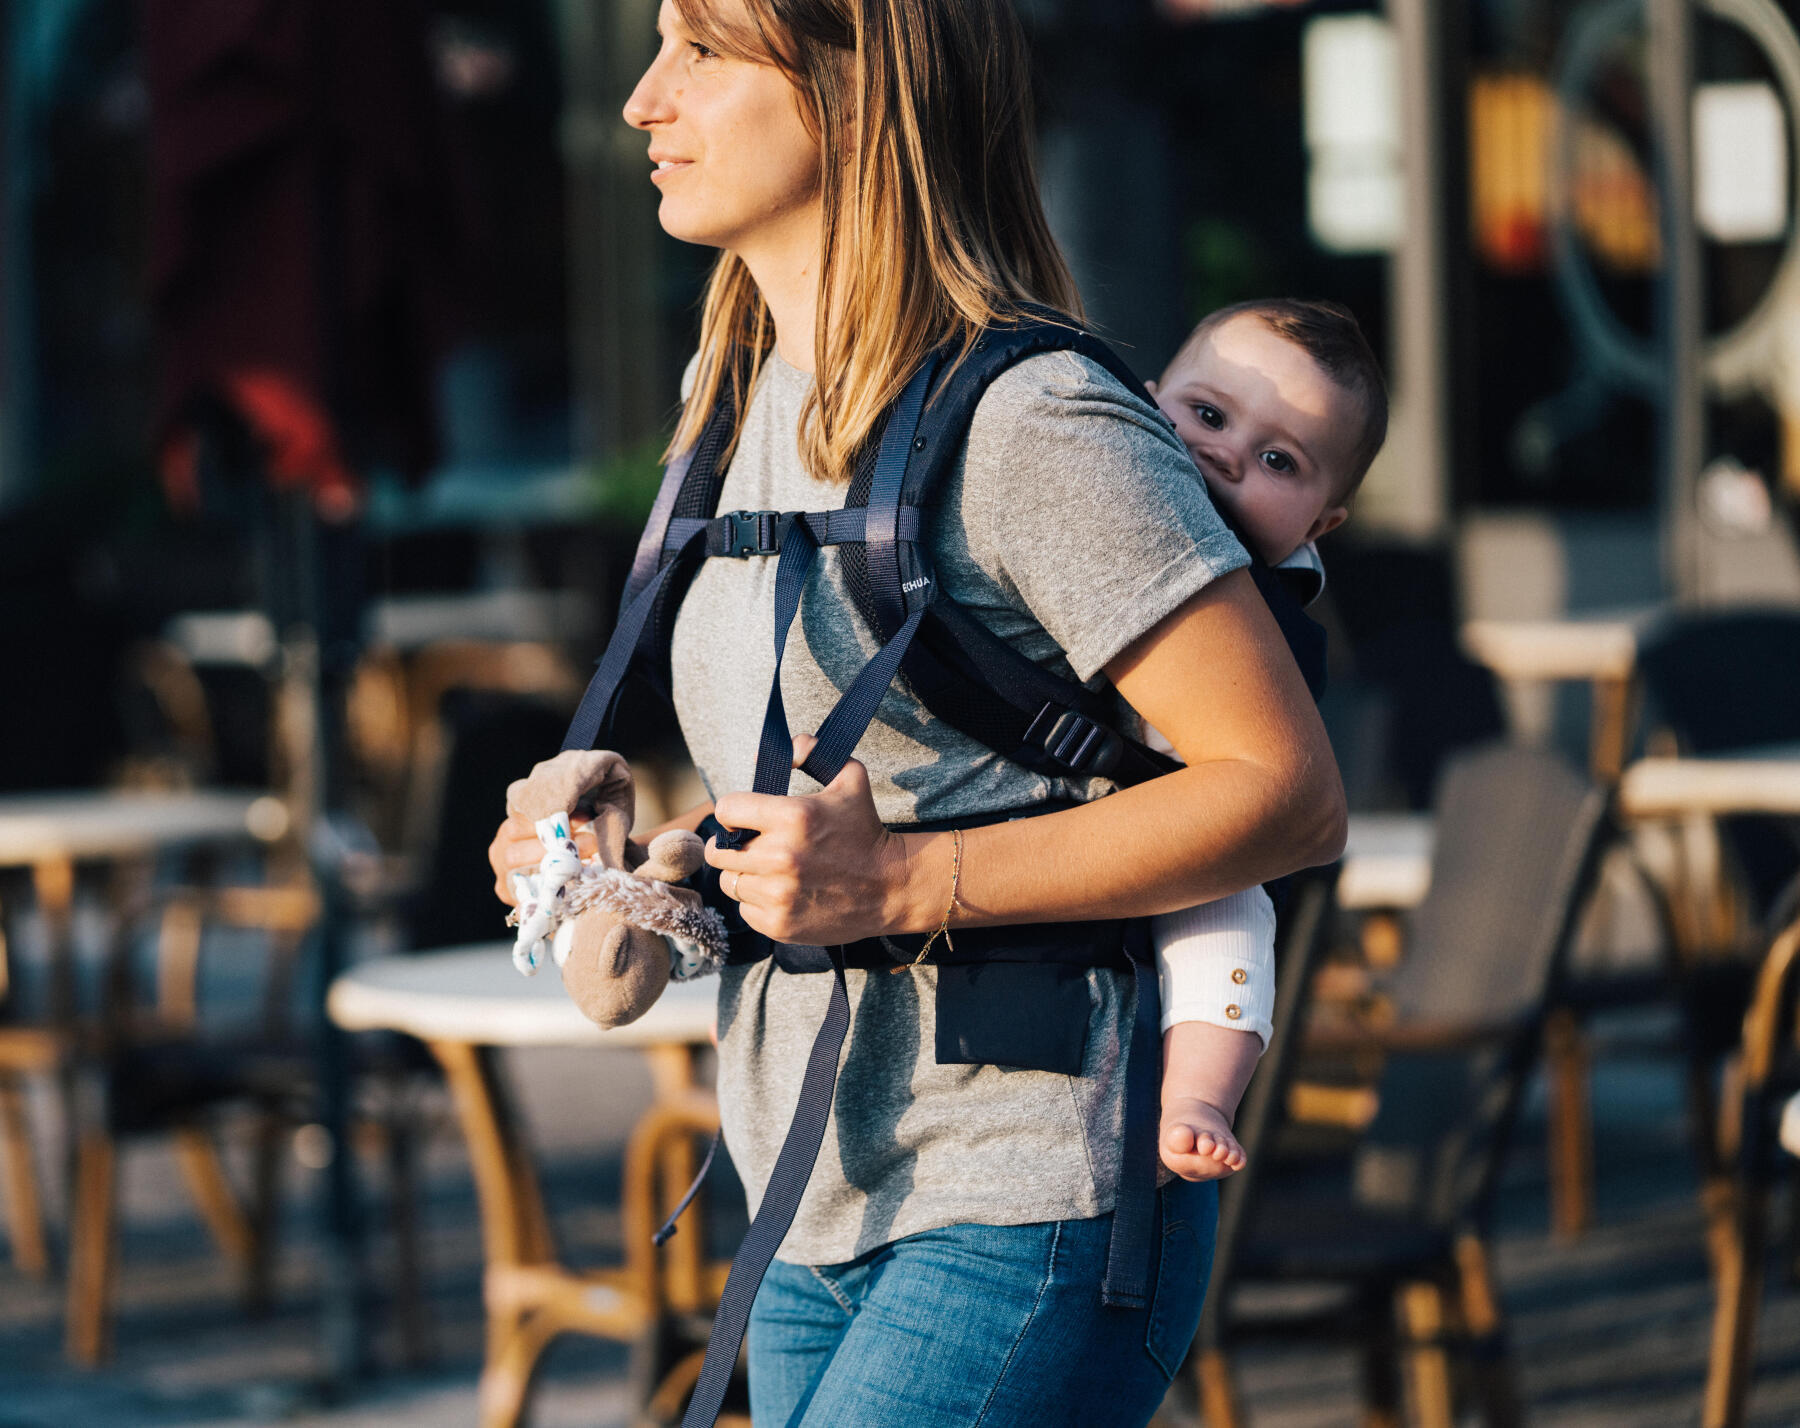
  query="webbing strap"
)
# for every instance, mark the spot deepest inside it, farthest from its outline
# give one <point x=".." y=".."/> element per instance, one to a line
<point x="746" y="533"/>
<point x="775" y="752"/>
<point x="780" y="1203"/>
<point x="650" y="544"/>
<point x="886" y="485"/>
<point x="1128" y="1251"/>
<point x="635" y="625"/>
<point x="849" y="718"/>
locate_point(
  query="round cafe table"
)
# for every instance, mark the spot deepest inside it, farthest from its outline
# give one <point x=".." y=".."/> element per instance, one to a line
<point x="466" y="1003"/>
<point x="49" y="836"/>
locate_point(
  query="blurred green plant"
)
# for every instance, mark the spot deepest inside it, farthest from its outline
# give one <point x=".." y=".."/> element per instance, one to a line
<point x="1224" y="264"/>
<point x="623" y="486"/>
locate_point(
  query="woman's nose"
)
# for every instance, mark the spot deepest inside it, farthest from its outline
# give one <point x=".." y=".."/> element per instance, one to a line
<point x="649" y="102"/>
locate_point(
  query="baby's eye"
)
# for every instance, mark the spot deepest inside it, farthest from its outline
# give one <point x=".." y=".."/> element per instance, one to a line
<point x="1209" y="415"/>
<point x="1279" y="462"/>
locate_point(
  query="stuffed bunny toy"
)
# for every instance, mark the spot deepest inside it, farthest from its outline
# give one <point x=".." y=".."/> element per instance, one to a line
<point x="606" y="921"/>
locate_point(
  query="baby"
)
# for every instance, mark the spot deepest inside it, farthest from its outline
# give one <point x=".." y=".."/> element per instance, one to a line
<point x="1282" y="406"/>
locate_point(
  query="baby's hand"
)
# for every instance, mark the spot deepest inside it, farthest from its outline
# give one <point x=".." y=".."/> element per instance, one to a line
<point x="1196" y="1140"/>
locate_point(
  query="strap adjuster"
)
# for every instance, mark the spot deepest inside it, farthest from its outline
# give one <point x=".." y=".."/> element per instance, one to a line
<point x="749" y="533"/>
<point x="1075" y="741"/>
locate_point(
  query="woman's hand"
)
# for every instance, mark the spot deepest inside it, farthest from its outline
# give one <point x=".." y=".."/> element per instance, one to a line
<point x="822" y="868"/>
<point x="516" y="849"/>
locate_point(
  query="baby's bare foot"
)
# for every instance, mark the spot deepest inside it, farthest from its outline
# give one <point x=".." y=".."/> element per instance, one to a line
<point x="1196" y="1141"/>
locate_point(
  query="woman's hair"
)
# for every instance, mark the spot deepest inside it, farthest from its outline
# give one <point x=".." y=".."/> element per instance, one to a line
<point x="933" y="227"/>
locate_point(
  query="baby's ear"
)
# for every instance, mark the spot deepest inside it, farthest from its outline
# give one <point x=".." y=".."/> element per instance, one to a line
<point x="1329" y="520"/>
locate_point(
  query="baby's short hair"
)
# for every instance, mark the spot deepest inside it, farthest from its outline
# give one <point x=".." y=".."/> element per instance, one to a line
<point x="1328" y="333"/>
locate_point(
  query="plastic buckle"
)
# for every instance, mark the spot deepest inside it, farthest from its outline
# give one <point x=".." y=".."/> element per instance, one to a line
<point x="747" y="535"/>
<point x="1075" y="741"/>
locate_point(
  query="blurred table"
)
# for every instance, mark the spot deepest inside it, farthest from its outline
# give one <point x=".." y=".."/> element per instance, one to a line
<point x="1600" y="651"/>
<point x="466" y="1003"/>
<point x="1387" y="862"/>
<point x="1763" y="780"/>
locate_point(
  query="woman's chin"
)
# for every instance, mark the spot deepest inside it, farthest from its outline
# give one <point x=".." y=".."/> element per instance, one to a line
<point x="682" y="224"/>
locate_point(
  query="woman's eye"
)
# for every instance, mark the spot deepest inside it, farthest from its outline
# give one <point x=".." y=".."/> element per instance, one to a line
<point x="1209" y="415"/>
<point x="1279" y="462"/>
<point x="702" y="51"/>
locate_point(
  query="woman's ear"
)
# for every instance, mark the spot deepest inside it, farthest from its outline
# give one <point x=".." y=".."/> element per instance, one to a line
<point x="1150" y="387"/>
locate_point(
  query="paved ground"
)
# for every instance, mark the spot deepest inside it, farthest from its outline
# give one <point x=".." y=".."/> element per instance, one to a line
<point x="1609" y="1332"/>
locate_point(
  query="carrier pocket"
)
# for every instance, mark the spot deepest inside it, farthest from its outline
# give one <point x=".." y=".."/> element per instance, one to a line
<point x="1031" y="1016"/>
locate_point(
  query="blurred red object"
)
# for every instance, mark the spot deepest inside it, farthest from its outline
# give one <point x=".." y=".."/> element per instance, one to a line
<point x="302" y="237"/>
<point x="294" y="436"/>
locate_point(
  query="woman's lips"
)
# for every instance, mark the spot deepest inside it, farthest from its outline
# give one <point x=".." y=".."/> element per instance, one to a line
<point x="665" y="167"/>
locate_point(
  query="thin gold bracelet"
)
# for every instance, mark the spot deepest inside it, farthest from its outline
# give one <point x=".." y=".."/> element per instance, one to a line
<point x="943" y="927"/>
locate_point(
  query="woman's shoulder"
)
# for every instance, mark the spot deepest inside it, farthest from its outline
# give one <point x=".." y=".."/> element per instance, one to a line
<point x="1063" y="398"/>
<point x="1066" y="411"/>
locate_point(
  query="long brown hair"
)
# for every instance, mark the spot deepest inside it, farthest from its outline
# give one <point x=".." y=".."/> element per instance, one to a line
<point x="933" y="229"/>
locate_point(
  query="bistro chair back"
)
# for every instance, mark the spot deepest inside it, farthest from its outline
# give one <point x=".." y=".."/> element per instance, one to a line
<point x="1722" y="682"/>
<point x="1396" y="1220"/>
<point x="1519" y="834"/>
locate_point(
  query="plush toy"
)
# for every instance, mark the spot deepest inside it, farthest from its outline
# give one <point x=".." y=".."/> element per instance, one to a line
<point x="606" y="921"/>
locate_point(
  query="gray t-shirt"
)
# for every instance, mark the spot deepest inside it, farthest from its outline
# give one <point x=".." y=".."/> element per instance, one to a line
<point x="1074" y="524"/>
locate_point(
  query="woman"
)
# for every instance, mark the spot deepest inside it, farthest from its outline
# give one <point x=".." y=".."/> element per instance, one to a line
<point x="864" y="169"/>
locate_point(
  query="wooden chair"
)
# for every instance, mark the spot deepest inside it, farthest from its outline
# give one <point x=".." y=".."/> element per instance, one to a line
<point x="149" y="1070"/>
<point x="1397" y="1222"/>
<point x="659" y="1300"/>
<point x="1306" y="931"/>
<point x="1737" y="1206"/>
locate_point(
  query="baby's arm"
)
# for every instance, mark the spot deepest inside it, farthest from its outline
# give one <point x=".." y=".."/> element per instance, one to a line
<point x="1216" y="967"/>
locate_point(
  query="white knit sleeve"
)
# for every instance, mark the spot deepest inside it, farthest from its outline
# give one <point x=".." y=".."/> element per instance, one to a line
<point x="1216" y="963"/>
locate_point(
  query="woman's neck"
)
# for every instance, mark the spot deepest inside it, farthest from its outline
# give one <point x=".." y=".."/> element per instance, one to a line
<point x="786" y="272"/>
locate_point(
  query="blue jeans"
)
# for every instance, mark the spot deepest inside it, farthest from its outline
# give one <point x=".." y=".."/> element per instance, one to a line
<point x="990" y="1325"/>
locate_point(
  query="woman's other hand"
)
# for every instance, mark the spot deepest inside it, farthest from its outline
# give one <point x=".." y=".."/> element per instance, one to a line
<point x="516" y="849"/>
<point x="822" y="869"/>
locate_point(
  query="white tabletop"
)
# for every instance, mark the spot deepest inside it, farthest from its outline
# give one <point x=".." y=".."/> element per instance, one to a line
<point x="1387" y="861"/>
<point x="1759" y="781"/>
<point x="1575" y="648"/>
<point x="473" y="994"/>
<point x="100" y="824"/>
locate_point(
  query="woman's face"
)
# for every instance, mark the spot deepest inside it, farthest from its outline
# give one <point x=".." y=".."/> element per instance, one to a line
<point x="736" y="164"/>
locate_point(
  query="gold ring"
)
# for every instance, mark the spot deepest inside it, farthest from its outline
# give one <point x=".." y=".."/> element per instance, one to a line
<point x="736" y="878"/>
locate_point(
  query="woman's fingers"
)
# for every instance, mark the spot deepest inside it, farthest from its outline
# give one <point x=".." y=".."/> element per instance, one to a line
<point x="516" y="849"/>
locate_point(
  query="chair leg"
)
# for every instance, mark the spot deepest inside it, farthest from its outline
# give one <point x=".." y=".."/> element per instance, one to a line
<point x="1491" y="1367"/>
<point x="24" y="1207"/>
<point x="1424" y="1320"/>
<point x="403" y="1188"/>
<point x="512" y="1359"/>
<point x="265" y="1210"/>
<point x="1382" y="1392"/>
<point x="92" y="1249"/>
<point x="1219" y="1405"/>
<point x="1734" y="1319"/>
<point x="212" y="1192"/>
<point x="1571" y="1125"/>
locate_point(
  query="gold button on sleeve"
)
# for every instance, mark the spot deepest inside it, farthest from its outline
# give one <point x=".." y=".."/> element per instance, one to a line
<point x="1239" y="975"/>
<point x="1234" y="1012"/>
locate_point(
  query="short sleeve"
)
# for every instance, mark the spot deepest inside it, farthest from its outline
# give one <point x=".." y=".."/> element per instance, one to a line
<point x="1080" y="501"/>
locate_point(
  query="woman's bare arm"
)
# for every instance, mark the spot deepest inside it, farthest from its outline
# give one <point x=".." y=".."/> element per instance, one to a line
<point x="1260" y="797"/>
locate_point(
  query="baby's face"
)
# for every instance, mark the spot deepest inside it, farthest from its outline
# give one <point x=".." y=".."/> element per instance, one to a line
<point x="1272" y="433"/>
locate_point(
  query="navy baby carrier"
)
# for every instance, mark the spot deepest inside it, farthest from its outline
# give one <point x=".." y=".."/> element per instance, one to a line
<point x="1010" y="996"/>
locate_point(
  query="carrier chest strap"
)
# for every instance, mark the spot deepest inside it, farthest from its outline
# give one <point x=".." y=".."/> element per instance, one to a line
<point x="742" y="534"/>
